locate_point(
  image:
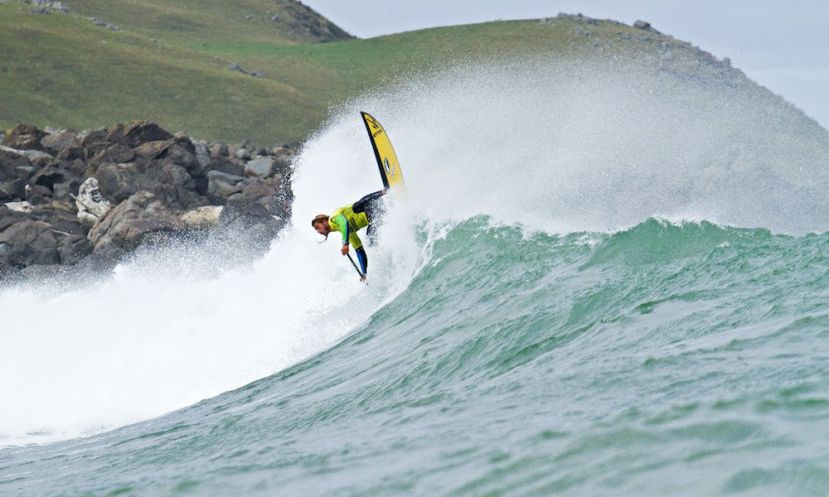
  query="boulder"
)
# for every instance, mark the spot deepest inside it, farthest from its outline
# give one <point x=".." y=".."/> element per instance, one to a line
<point x="12" y="190"/>
<point x="24" y="137"/>
<point x="118" y="181"/>
<point x="13" y="164"/>
<point x="61" y="216"/>
<point x="182" y="153"/>
<point x="260" y="192"/>
<point x="132" y="222"/>
<point x="29" y="242"/>
<point x="8" y="217"/>
<point x="202" y="153"/>
<point x="73" y="248"/>
<point x="95" y="140"/>
<point x="203" y="217"/>
<point x="48" y="176"/>
<point x="222" y="185"/>
<point x="263" y="167"/>
<point x="219" y="150"/>
<point x="116" y="153"/>
<point x="58" y="142"/>
<point x="242" y="154"/>
<point x="250" y="224"/>
<point x="138" y="132"/>
<point x="153" y="149"/>
<point x="225" y="165"/>
<point x="38" y="194"/>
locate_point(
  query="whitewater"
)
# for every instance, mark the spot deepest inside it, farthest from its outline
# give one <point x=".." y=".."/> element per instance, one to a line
<point x="599" y="282"/>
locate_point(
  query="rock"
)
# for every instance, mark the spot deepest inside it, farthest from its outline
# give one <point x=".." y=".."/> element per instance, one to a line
<point x="118" y="181"/>
<point x="48" y="176"/>
<point x="250" y="224"/>
<point x="242" y="154"/>
<point x="260" y="192"/>
<point x="12" y="190"/>
<point x="263" y="167"/>
<point x="38" y="194"/>
<point x="73" y="248"/>
<point x="237" y="68"/>
<point x="57" y="143"/>
<point x="202" y="154"/>
<point x="95" y="140"/>
<point x="645" y="26"/>
<point x="225" y="165"/>
<point x="24" y="137"/>
<point x="202" y="217"/>
<point x="182" y="153"/>
<point x="23" y="207"/>
<point x="65" y="191"/>
<point x="29" y="242"/>
<point x="71" y="154"/>
<point x="11" y="163"/>
<point x="132" y="222"/>
<point x="76" y="167"/>
<point x="8" y="217"/>
<point x="256" y="73"/>
<point x="61" y="215"/>
<point x="222" y="185"/>
<point x="116" y="153"/>
<point x="136" y="133"/>
<point x="91" y="205"/>
<point x="37" y="158"/>
<point x="218" y="150"/>
<point x="153" y="149"/>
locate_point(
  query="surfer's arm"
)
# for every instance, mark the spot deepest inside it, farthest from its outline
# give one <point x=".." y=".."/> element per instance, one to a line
<point x="342" y="226"/>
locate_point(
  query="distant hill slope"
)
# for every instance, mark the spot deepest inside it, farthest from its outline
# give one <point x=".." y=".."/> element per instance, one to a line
<point x="188" y="64"/>
<point x="285" y="21"/>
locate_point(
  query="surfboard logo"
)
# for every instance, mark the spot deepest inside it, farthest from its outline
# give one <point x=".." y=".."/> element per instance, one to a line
<point x="387" y="163"/>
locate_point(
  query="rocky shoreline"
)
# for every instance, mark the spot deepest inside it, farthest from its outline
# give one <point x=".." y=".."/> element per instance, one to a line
<point x="86" y="200"/>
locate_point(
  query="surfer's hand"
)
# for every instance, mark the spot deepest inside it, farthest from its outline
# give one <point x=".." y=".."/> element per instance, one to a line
<point x="344" y="250"/>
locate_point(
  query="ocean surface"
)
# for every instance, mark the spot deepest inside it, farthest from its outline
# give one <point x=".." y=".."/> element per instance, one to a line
<point x="589" y="289"/>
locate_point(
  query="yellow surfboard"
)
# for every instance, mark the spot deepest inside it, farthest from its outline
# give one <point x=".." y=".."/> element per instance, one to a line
<point x="390" y="171"/>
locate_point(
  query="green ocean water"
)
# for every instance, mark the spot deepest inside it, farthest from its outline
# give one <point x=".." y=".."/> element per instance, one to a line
<point x="665" y="359"/>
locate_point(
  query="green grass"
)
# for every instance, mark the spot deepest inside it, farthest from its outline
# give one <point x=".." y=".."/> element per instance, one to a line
<point x="170" y="64"/>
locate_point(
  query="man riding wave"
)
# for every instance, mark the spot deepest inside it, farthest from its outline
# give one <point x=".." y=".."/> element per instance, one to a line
<point x="364" y="213"/>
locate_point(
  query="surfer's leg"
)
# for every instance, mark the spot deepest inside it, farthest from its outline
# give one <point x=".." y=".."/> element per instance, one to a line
<point x="368" y="203"/>
<point x="372" y="205"/>
<point x="362" y="258"/>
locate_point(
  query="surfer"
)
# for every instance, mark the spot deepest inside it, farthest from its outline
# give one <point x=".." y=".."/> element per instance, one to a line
<point x="364" y="213"/>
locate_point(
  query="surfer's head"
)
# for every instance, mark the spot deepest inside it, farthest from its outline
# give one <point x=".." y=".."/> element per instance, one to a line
<point x="320" y="223"/>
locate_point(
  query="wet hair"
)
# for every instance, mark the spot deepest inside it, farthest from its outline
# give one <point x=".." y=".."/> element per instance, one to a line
<point x="318" y="219"/>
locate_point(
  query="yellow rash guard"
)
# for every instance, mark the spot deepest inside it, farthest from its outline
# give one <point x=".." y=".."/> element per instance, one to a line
<point x="347" y="222"/>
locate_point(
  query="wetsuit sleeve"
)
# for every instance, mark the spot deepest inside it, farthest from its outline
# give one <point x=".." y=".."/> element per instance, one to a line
<point x="342" y="227"/>
<point x="362" y="258"/>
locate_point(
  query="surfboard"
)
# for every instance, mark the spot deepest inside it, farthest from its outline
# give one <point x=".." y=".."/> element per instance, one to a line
<point x="390" y="171"/>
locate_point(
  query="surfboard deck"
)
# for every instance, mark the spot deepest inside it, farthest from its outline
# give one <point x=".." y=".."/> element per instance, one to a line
<point x="390" y="170"/>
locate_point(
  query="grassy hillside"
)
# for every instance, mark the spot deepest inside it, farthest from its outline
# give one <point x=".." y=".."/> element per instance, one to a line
<point x="185" y="21"/>
<point x="170" y="62"/>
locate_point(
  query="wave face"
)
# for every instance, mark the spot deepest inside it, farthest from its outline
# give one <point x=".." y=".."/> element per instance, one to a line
<point x="600" y="283"/>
